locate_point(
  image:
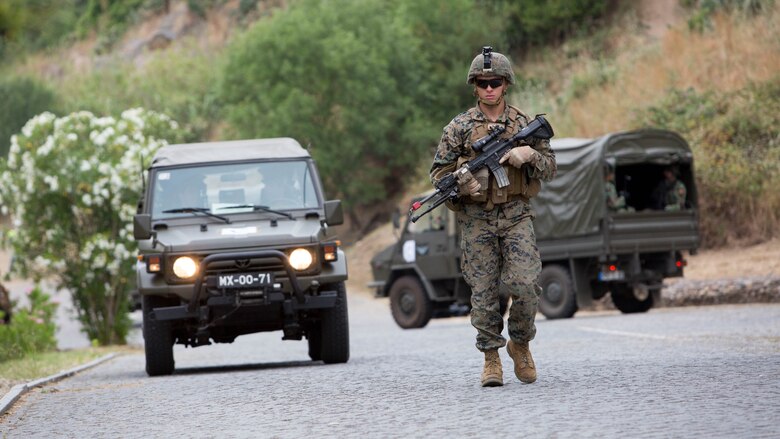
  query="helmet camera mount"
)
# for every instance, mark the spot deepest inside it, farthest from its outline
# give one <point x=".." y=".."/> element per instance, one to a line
<point x="486" y="59"/>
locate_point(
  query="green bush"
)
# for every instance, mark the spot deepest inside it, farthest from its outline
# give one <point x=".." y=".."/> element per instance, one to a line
<point x="180" y="82"/>
<point x="539" y="22"/>
<point x="703" y="10"/>
<point x="71" y="185"/>
<point x="21" y="99"/>
<point x="31" y="330"/>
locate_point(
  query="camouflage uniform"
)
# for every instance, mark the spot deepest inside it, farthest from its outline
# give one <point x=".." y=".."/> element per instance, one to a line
<point x="675" y="196"/>
<point x="497" y="235"/>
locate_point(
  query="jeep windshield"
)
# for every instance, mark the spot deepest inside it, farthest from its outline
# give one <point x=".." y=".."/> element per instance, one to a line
<point x="234" y="188"/>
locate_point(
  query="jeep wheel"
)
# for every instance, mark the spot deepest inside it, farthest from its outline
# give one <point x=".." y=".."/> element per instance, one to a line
<point x="158" y="339"/>
<point x="314" y="338"/>
<point x="334" y="329"/>
<point x="409" y="304"/>
<point x="558" y="300"/>
<point x="625" y="299"/>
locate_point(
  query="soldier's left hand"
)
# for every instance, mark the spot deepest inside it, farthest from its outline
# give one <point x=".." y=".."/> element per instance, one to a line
<point x="519" y="156"/>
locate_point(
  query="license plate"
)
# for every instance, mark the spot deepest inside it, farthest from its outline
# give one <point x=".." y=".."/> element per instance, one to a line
<point x="241" y="280"/>
<point x="612" y="275"/>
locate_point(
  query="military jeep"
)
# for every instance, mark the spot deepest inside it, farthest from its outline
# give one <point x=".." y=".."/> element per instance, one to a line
<point x="235" y="238"/>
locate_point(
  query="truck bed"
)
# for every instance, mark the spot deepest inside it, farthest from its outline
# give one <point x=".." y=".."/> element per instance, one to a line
<point x="630" y="232"/>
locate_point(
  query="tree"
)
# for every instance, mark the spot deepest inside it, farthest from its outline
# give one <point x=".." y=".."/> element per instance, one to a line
<point x="71" y="185"/>
<point x="21" y="99"/>
<point x="360" y="81"/>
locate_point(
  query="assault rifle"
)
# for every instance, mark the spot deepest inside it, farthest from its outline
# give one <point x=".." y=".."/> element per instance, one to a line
<point x="490" y="150"/>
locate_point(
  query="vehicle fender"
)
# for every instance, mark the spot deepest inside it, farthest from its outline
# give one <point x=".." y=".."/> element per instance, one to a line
<point x="151" y="283"/>
<point x="408" y="269"/>
<point x="338" y="268"/>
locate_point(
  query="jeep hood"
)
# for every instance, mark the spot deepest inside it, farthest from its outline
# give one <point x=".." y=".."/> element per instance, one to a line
<point x="239" y="236"/>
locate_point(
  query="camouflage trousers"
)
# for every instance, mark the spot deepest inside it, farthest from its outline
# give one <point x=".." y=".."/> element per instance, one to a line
<point x="500" y="253"/>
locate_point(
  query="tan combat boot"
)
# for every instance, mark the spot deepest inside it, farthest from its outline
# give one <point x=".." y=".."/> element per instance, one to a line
<point x="525" y="369"/>
<point x="493" y="374"/>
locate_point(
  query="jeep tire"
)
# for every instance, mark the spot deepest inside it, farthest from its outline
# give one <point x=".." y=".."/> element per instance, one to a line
<point x="314" y="337"/>
<point x="334" y="329"/>
<point x="158" y="339"/>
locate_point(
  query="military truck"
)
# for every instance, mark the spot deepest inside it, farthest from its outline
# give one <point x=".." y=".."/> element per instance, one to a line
<point x="587" y="249"/>
<point x="236" y="238"/>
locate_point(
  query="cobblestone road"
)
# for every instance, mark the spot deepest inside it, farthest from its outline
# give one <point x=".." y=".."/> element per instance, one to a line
<point x="684" y="372"/>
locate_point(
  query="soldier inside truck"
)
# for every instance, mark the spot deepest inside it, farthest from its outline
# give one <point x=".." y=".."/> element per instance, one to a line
<point x="639" y="184"/>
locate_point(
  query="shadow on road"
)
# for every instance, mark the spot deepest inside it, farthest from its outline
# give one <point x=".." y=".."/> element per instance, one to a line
<point x="240" y="367"/>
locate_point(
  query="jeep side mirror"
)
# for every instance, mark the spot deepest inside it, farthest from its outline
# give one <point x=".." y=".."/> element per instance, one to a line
<point x="396" y="219"/>
<point x="142" y="226"/>
<point x="334" y="214"/>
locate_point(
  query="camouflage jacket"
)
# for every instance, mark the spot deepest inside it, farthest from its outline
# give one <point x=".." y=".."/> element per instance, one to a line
<point x="464" y="129"/>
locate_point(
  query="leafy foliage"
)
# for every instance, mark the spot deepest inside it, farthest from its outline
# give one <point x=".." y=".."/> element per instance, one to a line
<point x="32" y="328"/>
<point x="21" y="99"/>
<point x="359" y="81"/>
<point x="181" y="83"/>
<point x="704" y="10"/>
<point x="35" y="24"/>
<point x="535" y="22"/>
<point x="71" y="184"/>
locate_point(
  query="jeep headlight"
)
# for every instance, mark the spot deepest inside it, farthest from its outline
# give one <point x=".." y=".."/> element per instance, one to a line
<point x="185" y="267"/>
<point x="301" y="259"/>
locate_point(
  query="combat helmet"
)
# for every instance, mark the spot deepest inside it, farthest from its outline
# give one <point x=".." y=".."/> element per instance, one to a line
<point x="491" y="62"/>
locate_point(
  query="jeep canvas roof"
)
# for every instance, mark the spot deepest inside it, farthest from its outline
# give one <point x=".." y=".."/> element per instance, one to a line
<point x="226" y="151"/>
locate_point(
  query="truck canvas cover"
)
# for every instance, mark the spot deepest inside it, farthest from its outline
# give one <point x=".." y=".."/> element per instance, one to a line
<point x="573" y="203"/>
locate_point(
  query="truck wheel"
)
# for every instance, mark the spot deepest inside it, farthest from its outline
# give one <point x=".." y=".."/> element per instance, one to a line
<point x="334" y="330"/>
<point x="409" y="304"/>
<point x="627" y="302"/>
<point x="158" y="339"/>
<point x="558" y="300"/>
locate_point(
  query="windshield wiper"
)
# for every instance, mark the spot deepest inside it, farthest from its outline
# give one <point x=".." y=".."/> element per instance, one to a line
<point x="201" y="210"/>
<point x="261" y="208"/>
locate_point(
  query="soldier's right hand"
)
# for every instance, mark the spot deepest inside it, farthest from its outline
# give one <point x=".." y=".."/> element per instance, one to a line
<point x="467" y="184"/>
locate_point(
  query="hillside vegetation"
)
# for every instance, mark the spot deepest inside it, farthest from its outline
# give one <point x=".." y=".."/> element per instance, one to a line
<point x="369" y="84"/>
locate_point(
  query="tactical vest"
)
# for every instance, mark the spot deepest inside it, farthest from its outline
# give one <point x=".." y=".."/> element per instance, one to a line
<point x="521" y="184"/>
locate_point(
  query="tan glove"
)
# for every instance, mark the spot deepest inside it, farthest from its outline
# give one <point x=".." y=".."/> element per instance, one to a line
<point x="517" y="157"/>
<point x="467" y="184"/>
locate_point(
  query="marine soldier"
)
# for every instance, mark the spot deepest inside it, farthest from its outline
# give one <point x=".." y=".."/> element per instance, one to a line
<point x="671" y="192"/>
<point x="497" y="237"/>
<point x="615" y="202"/>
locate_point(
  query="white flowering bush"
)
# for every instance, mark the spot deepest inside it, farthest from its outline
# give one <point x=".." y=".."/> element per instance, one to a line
<point x="71" y="186"/>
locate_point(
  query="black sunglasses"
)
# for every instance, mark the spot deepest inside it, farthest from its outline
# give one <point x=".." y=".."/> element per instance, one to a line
<point x="493" y="83"/>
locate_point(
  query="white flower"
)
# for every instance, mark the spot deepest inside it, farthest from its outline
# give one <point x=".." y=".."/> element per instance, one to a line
<point x="52" y="182"/>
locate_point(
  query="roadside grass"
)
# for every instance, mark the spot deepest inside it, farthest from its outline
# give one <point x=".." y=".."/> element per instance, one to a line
<point x="40" y="365"/>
